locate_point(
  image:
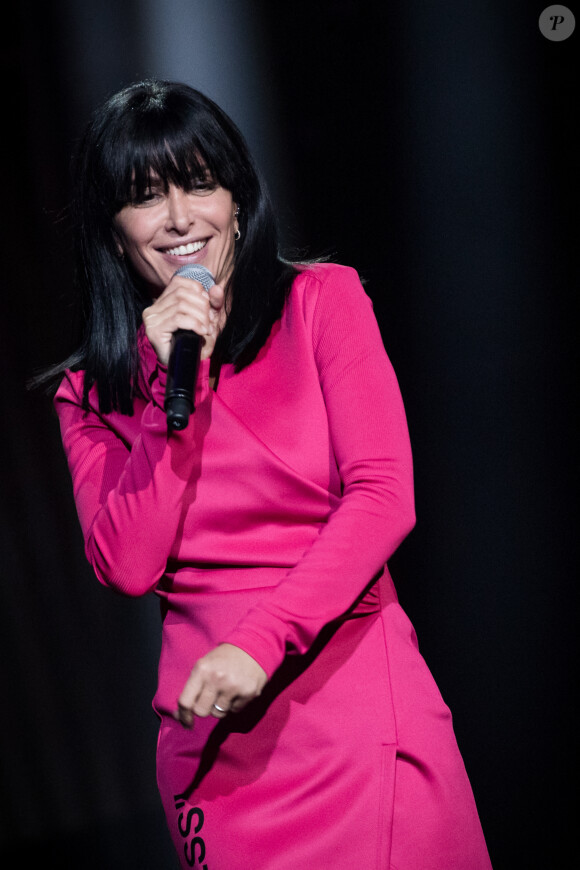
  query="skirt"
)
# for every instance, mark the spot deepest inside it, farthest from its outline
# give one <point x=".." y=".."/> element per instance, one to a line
<point x="347" y="759"/>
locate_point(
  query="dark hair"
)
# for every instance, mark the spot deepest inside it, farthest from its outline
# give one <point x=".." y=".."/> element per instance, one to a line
<point x="174" y="132"/>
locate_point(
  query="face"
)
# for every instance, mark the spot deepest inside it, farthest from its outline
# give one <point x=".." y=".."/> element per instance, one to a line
<point x="173" y="227"/>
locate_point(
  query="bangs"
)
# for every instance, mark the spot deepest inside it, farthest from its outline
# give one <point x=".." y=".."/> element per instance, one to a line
<point x="157" y="152"/>
<point x="163" y="166"/>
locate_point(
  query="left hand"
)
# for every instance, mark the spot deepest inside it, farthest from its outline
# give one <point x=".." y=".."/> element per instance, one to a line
<point x="226" y="676"/>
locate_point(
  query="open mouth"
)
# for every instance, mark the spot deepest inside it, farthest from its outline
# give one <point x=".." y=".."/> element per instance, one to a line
<point x="184" y="250"/>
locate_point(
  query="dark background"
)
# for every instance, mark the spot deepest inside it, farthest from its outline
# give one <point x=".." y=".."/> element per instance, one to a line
<point x="433" y="146"/>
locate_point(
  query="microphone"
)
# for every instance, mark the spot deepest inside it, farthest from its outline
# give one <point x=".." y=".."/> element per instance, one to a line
<point x="184" y="359"/>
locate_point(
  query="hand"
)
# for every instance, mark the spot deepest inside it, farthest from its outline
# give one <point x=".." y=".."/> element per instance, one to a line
<point x="185" y="304"/>
<point x="226" y="676"/>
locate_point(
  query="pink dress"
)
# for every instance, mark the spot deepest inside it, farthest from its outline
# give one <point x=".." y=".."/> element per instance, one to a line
<point x="267" y="523"/>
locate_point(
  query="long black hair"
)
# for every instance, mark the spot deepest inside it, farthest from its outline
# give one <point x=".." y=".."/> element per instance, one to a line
<point x="173" y="132"/>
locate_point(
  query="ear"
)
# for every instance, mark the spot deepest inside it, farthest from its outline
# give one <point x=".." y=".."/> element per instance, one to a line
<point x="118" y="245"/>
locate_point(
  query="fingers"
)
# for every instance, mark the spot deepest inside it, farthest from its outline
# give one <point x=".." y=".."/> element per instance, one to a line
<point x="204" y="706"/>
<point x="222" y="682"/>
<point x="184" y="304"/>
<point x="179" y="307"/>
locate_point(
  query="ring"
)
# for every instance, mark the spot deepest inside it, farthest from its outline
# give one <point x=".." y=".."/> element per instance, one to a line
<point x="220" y="709"/>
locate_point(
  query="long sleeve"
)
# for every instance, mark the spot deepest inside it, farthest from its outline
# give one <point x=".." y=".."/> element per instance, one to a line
<point x="300" y="462"/>
<point x="128" y="495"/>
<point x="371" y="446"/>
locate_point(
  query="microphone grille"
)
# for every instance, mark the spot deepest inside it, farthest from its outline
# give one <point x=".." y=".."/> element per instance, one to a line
<point x="197" y="273"/>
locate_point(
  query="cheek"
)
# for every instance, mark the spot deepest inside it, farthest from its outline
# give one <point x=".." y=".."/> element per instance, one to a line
<point x="132" y="244"/>
<point x="132" y="229"/>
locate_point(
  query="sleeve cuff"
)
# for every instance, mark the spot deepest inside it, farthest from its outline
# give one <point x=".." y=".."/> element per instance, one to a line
<point x="268" y="653"/>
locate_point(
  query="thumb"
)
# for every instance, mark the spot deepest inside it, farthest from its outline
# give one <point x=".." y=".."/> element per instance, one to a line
<point x="216" y="296"/>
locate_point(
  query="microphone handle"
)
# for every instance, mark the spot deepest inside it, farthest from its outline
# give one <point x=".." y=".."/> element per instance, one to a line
<point x="184" y="359"/>
<point x="182" y="369"/>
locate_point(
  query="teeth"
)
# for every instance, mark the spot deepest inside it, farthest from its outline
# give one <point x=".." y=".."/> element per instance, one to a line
<point x="182" y="250"/>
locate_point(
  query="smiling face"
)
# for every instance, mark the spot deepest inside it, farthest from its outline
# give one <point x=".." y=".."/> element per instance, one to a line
<point x="168" y="227"/>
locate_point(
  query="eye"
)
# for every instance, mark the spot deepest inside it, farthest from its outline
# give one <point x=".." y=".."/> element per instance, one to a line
<point x="151" y="196"/>
<point x="203" y="186"/>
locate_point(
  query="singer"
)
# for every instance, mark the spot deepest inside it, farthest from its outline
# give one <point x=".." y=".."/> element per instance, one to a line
<point x="299" y="725"/>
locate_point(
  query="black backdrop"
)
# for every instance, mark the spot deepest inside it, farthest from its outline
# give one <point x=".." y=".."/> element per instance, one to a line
<point x="433" y="147"/>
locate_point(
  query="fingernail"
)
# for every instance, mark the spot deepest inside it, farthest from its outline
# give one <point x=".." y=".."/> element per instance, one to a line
<point x="186" y="719"/>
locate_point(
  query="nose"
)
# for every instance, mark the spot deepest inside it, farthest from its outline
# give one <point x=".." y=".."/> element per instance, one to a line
<point x="180" y="214"/>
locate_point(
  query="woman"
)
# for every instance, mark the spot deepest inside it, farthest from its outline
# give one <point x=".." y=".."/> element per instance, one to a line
<point x="299" y="726"/>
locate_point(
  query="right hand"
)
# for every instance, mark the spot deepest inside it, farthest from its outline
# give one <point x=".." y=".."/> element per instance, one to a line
<point x="185" y="304"/>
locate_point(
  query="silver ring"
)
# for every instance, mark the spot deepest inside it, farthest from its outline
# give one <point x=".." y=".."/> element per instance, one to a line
<point x="220" y="709"/>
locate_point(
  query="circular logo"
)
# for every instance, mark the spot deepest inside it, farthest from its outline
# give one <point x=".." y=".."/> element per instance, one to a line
<point x="557" y="23"/>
